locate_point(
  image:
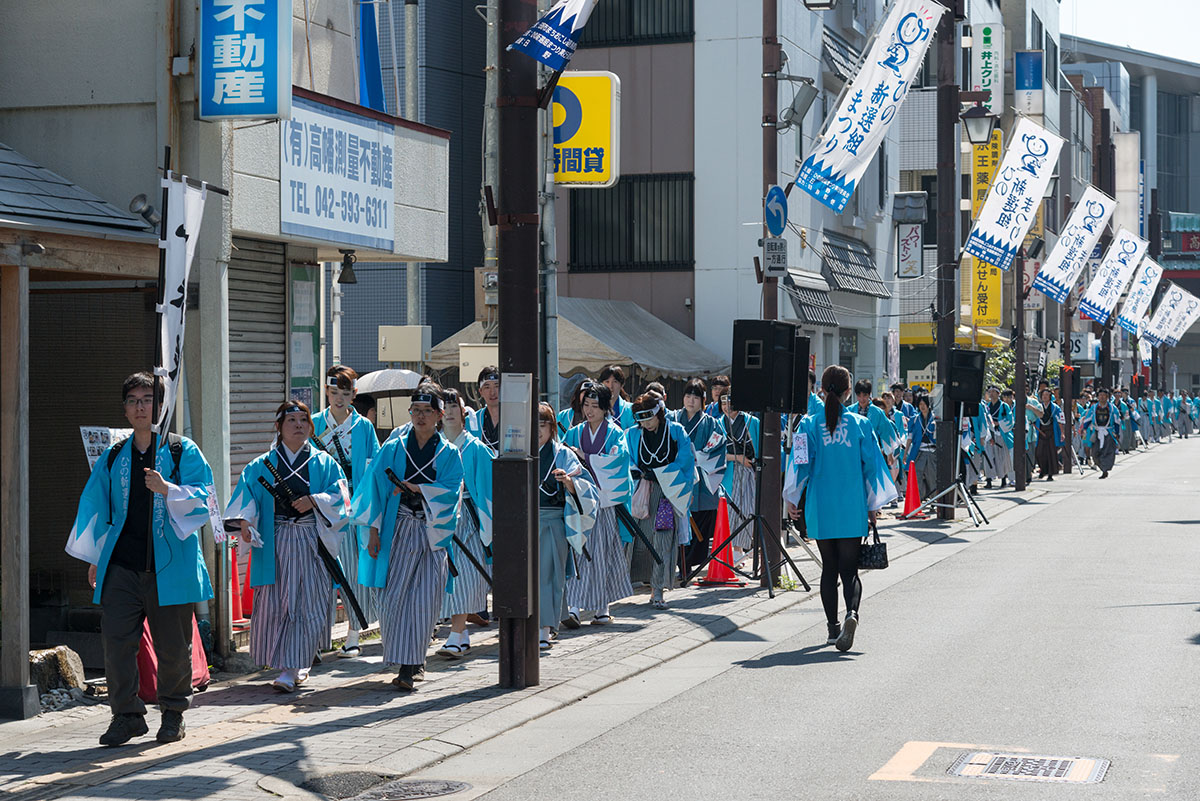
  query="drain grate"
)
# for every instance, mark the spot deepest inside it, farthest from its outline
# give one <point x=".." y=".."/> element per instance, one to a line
<point x="1026" y="767"/>
<point x="406" y="789"/>
<point x="347" y="784"/>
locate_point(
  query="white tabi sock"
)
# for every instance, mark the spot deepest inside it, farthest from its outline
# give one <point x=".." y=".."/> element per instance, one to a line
<point x="352" y="638"/>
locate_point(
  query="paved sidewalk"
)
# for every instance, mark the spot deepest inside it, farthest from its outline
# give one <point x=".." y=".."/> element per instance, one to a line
<point x="247" y="742"/>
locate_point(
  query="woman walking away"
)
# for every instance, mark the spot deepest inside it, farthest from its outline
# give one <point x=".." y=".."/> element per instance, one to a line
<point x="285" y="500"/>
<point x="1050" y="435"/>
<point x="836" y="455"/>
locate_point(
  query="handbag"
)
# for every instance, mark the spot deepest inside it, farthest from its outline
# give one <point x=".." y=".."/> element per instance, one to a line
<point x="640" y="505"/>
<point x="873" y="555"/>
<point x="664" y="516"/>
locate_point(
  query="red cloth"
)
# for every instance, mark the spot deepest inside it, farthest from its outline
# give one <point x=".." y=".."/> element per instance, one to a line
<point x="147" y="663"/>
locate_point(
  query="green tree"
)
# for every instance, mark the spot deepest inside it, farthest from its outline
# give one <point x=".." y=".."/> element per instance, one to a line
<point x="1000" y="368"/>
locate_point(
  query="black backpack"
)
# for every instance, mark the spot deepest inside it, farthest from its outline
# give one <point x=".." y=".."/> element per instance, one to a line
<point x="174" y="442"/>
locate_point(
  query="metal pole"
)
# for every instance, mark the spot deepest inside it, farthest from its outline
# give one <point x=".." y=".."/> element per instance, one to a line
<point x="391" y="21"/>
<point x="491" y="133"/>
<point x="412" y="271"/>
<point x="770" y="498"/>
<point x="336" y="336"/>
<point x="514" y="480"/>
<point x="1108" y="180"/>
<point x="1021" y="389"/>
<point x="948" y="141"/>
<point x="1154" y="228"/>
<point x="549" y="251"/>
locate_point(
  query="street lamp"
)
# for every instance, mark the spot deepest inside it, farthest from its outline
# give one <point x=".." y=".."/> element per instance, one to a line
<point x="820" y="5"/>
<point x="980" y="123"/>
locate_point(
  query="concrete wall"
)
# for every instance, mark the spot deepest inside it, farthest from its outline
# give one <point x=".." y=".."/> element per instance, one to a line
<point x="658" y="117"/>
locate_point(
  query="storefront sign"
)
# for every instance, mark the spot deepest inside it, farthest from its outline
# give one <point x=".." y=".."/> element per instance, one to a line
<point x="587" y="130"/>
<point x="336" y="174"/>
<point x="986" y="280"/>
<point x="910" y="250"/>
<point x="244" y="59"/>
<point x="987" y="63"/>
<point x="1028" y="82"/>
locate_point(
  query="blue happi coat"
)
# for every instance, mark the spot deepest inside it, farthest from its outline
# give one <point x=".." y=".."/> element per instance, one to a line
<point x="377" y="502"/>
<point x="1002" y="422"/>
<point x="677" y="479"/>
<point x="178" y="561"/>
<point x="364" y="442"/>
<point x="885" y="432"/>
<point x="846" y="472"/>
<point x="708" y="449"/>
<point x="622" y="412"/>
<point x="477" y="480"/>
<point x="251" y="502"/>
<point x="1059" y="420"/>
<point x="579" y="514"/>
<point x="1088" y="424"/>
<point x="611" y="468"/>
<point x="920" y="432"/>
<point x="752" y="427"/>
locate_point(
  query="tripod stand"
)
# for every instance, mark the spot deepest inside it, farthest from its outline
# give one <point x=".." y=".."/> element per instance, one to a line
<point x="958" y="493"/>
<point x="760" y="535"/>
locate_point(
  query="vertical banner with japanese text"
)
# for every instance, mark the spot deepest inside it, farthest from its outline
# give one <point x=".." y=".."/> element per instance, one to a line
<point x="1122" y="258"/>
<point x="910" y="250"/>
<point x="1140" y="295"/>
<point x="244" y="59"/>
<point x="1016" y="192"/>
<point x="986" y="279"/>
<point x="553" y="38"/>
<point x="869" y="104"/>
<point x="1075" y="244"/>
<point x="987" y="63"/>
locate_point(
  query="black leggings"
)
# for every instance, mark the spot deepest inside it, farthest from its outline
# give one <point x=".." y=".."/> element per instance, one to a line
<point x="839" y="558"/>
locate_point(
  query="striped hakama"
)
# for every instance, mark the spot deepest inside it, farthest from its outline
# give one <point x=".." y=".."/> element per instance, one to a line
<point x="470" y="588"/>
<point x="1128" y="437"/>
<point x="289" y="620"/>
<point x="552" y="565"/>
<point x="605" y="579"/>
<point x="742" y="505"/>
<point x="412" y="594"/>
<point x="1183" y="423"/>
<point x="662" y="576"/>
<point x="368" y="597"/>
<point x="1000" y="465"/>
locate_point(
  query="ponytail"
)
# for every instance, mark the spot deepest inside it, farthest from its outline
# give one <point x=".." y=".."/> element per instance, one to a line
<point x="834" y="381"/>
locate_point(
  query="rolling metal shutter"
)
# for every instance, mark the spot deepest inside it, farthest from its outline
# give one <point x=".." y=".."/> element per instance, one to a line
<point x="257" y="347"/>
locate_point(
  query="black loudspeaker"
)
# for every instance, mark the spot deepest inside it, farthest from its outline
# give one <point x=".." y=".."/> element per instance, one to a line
<point x="966" y="376"/>
<point x="765" y="366"/>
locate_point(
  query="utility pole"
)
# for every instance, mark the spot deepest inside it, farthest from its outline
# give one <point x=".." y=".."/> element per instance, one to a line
<point x="771" y="498"/>
<point x="549" y="251"/>
<point x="1154" y="229"/>
<point x="1108" y="184"/>
<point x="412" y="271"/>
<point x="491" y="135"/>
<point x="1021" y="386"/>
<point x="1067" y="376"/>
<point x="514" y="479"/>
<point x="948" y="146"/>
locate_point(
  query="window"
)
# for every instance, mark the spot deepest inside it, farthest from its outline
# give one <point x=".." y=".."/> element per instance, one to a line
<point x="1174" y="122"/>
<point x="1036" y="31"/>
<point x="847" y="348"/>
<point x="645" y="222"/>
<point x="639" y="22"/>
<point x="881" y="162"/>
<point x="1051" y="59"/>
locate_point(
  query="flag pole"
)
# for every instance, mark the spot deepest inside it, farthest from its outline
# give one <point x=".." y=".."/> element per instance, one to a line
<point x="158" y="355"/>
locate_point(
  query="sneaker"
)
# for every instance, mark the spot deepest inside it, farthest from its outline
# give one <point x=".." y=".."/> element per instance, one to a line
<point x="172" y="729"/>
<point x="846" y="640"/>
<point x="123" y="728"/>
<point x="835" y="631"/>
<point x="349" y="652"/>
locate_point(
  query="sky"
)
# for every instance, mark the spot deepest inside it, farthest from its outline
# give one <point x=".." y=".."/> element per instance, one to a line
<point x="1167" y="27"/>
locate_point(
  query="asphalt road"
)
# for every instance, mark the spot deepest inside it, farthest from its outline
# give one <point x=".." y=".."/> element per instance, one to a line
<point x="1067" y="629"/>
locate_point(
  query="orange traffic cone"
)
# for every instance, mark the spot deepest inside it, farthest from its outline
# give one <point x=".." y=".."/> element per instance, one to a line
<point x="719" y="573"/>
<point x="912" y="496"/>
<point x="236" y="590"/>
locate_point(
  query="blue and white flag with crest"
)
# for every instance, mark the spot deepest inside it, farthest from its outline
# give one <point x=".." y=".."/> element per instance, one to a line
<point x="868" y="106"/>
<point x="1075" y="244"/>
<point x="1122" y="259"/>
<point x="1015" y="194"/>
<point x="553" y="38"/>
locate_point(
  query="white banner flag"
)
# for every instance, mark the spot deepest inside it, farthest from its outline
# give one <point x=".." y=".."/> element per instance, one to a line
<point x="1075" y="244"/>
<point x="1122" y="258"/>
<point x="1140" y="295"/>
<point x="868" y="106"/>
<point x="1145" y="347"/>
<point x="184" y="212"/>
<point x="1161" y="322"/>
<point x="1017" y="189"/>
<point x="1183" y="319"/>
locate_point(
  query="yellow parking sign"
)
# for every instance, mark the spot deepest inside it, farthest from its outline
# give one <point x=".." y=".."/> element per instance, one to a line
<point x="587" y="130"/>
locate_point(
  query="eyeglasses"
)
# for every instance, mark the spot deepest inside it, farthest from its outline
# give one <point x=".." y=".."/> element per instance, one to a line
<point x="414" y="411"/>
<point x="141" y="403"/>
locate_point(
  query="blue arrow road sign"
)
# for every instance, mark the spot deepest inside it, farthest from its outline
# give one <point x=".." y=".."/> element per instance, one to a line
<point x="775" y="211"/>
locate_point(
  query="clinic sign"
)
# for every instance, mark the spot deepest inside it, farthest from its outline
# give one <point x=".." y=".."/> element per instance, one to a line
<point x="587" y="130"/>
<point x="244" y="59"/>
<point x="337" y="176"/>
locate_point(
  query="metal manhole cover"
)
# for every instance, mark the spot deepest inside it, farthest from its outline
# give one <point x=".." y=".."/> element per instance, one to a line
<point x="403" y="790"/>
<point x="1028" y="767"/>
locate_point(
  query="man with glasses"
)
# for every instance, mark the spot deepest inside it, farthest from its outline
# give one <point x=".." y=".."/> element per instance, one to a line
<point x="484" y="424"/>
<point x="145" y="569"/>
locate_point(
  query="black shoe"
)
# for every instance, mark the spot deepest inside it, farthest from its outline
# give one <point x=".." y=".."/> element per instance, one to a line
<point x="988" y="484"/>
<point x="835" y="631"/>
<point x="172" y="729"/>
<point x="846" y="641"/>
<point x="1003" y="483"/>
<point x="1104" y="474"/>
<point x="1049" y="478"/>
<point x="418" y="672"/>
<point x="404" y="679"/>
<point x="123" y="728"/>
<point x="974" y="490"/>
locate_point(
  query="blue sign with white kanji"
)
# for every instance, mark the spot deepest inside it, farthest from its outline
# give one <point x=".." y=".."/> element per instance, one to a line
<point x="244" y="59"/>
<point x="775" y="210"/>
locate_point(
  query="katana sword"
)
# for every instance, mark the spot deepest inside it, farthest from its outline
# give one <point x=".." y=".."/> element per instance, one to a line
<point x="392" y="477"/>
